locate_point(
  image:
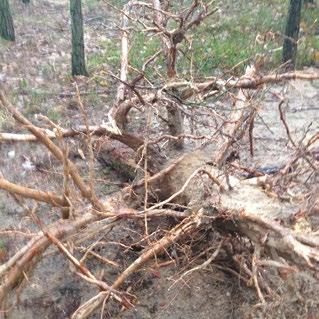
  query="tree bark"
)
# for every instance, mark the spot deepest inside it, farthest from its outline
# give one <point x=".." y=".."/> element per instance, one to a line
<point x="292" y="32"/>
<point x="6" y="21"/>
<point x="78" y="55"/>
<point x="174" y="114"/>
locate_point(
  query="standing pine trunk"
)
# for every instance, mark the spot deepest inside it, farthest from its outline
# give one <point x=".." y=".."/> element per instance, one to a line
<point x="292" y="32"/>
<point x="78" y="55"/>
<point x="6" y="22"/>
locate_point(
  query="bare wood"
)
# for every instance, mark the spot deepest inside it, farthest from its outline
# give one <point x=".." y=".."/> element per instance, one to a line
<point x="71" y="132"/>
<point x="124" y="54"/>
<point x="237" y="124"/>
<point x="124" y="107"/>
<point x="243" y="83"/>
<point x="216" y="84"/>
<point x="55" y="150"/>
<point x="130" y="140"/>
<point x="38" y="195"/>
<point x="268" y="233"/>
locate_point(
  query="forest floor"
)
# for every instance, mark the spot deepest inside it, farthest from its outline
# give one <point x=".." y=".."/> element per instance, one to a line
<point x="35" y="70"/>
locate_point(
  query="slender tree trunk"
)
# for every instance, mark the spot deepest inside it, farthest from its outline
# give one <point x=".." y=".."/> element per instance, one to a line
<point x="78" y="55"/>
<point x="6" y="22"/>
<point x="292" y="32"/>
<point x="174" y="114"/>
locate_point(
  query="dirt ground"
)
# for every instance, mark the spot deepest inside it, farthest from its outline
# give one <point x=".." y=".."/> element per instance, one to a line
<point x="36" y="73"/>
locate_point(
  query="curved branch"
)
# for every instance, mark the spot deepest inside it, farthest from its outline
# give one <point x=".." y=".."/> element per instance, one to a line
<point x="41" y="196"/>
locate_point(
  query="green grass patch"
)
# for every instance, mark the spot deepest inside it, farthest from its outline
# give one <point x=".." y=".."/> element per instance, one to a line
<point x="225" y="41"/>
<point x="233" y="39"/>
<point x="34" y="100"/>
<point x="109" y="54"/>
<point x="2" y="246"/>
<point x="54" y="115"/>
<point x="309" y="37"/>
<point x="92" y="4"/>
<point x="239" y="34"/>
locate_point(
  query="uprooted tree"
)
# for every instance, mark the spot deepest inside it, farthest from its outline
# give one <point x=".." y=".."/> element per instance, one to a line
<point x="202" y="188"/>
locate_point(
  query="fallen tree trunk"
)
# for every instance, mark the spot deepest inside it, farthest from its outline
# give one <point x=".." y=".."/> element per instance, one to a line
<point x="255" y="213"/>
<point x="240" y="207"/>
